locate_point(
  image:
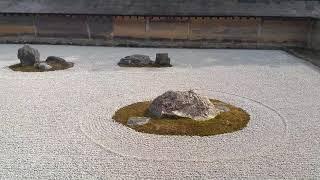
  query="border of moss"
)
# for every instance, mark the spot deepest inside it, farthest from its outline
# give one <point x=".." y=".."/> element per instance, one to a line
<point x="226" y="122"/>
<point x="55" y="67"/>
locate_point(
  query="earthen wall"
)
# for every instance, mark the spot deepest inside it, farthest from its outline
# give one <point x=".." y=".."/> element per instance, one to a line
<point x="160" y="31"/>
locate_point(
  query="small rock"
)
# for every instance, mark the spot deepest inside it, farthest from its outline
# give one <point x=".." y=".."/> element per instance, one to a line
<point x="28" y="56"/>
<point x="135" y="60"/>
<point x="162" y="59"/>
<point x="36" y="65"/>
<point x="54" y="59"/>
<point x="222" y="107"/>
<point x="137" y="121"/>
<point x="44" y="66"/>
<point x="183" y="104"/>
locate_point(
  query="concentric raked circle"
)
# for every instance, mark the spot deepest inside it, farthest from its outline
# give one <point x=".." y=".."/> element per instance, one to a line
<point x="265" y="131"/>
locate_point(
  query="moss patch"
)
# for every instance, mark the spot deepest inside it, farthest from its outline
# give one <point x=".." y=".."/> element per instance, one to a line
<point x="55" y="66"/>
<point x="226" y="122"/>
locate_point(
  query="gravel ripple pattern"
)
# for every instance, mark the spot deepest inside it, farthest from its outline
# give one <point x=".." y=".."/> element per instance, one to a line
<point x="58" y="125"/>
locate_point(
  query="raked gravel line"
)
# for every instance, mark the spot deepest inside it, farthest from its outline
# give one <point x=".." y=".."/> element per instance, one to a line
<point x="57" y="125"/>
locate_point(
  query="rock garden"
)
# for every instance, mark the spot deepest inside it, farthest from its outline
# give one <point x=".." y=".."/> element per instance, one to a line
<point x="172" y="113"/>
<point x="30" y="61"/>
<point x="254" y="113"/>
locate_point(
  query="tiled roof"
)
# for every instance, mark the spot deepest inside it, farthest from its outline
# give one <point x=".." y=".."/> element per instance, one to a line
<point x="288" y="8"/>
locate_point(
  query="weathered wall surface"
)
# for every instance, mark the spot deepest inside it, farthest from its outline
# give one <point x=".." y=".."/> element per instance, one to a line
<point x="284" y="30"/>
<point x="237" y="32"/>
<point x="285" y="8"/>
<point x="150" y="27"/>
<point x="61" y="26"/>
<point x="176" y="23"/>
<point x="225" y="29"/>
<point x="129" y="27"/>
<point x="99" y="27"/>
<point x="17" y="25"/>
<point x="168" y="28"/>
<point x="315" y="35"/>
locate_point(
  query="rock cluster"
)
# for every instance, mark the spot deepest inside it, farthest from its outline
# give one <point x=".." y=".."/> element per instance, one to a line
<point x="31" y="57"/>
<point x="138" y="60"/>
<point x="183" y="104"/>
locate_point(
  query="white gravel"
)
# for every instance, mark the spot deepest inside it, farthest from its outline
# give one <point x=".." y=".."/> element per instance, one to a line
<point x="57" y="125"/>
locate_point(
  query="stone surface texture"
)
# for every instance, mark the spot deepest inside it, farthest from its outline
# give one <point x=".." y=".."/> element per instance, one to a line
<point x="54" y="59"/>
<point x="59" y="125"/>
<point x="136" y="60"/>
<point x="28" y="56"/>
<point x="183" y="104"/>
<point x="137" y="121"/>
<point x="44" y="66"/>
<point x="162" y="59"/>
<point x="59" y="60"/>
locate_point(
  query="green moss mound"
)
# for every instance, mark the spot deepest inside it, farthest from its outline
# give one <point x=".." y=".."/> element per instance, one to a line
<point x="226" y="122"/>
<point x="55" y="67"/>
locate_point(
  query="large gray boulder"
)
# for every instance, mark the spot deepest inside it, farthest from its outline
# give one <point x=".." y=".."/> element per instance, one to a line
<point x="28" y="56"/>
<point x="135" y="60"/>
<point x="183" y="104"/>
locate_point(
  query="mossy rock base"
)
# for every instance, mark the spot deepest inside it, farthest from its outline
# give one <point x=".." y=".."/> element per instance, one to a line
<point x="55" y="67"/>
<point x="147" y="65"/>
<point x="226" y="122"/>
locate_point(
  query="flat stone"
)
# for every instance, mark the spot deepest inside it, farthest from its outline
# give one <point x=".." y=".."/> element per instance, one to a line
<point x="137" y="121"/>
<point x="135" y="60"/>
<point x="54" y="59"/>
